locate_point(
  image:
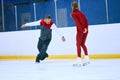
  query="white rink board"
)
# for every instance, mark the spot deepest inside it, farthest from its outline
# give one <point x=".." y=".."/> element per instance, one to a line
<point x="102" y="39"/>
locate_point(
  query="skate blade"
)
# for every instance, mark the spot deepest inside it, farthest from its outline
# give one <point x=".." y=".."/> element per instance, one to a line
<point x="85" y="64"/>
<point x="80" y="65"/>
<point x="77" y="65"/>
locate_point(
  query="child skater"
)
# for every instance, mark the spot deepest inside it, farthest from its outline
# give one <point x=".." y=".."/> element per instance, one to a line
<point x="45" y="36"/>
<point x="82" y="32"/>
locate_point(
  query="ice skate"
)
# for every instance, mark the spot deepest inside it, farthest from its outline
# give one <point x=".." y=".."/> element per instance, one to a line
<point x="38" y="58"/>
<point x="43" y="56"/>
<point x="78" y="63"/>
<point x="86" y="61"/>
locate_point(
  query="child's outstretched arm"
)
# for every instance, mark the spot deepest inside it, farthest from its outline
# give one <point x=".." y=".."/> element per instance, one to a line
<point x="35" y="23"/>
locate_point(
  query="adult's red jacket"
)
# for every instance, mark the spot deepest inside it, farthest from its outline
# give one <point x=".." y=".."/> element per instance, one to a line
<point x="80" y="20"/>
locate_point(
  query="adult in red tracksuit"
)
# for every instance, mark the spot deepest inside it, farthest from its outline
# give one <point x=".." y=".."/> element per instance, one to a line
<point x="82" y="29"/>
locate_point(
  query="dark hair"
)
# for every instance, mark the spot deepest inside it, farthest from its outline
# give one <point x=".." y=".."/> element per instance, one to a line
<point x="48" y="16"/>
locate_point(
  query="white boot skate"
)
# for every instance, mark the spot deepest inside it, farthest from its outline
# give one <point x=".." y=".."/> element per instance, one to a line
<point x="78" y="63"/>
<point x="86" y="61"/>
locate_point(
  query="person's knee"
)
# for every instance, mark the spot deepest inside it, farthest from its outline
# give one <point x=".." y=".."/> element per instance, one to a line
<point x="78" y="44"/>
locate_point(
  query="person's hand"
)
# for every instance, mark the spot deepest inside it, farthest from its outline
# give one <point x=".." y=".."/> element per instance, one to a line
<point x="85" y="30"/>
<point x="63" y="39"/>
<point x="23" y="26"/>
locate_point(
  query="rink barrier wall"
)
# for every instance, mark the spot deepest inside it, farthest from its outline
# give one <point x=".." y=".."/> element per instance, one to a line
<point x="57" y="57"/>
<point x="103" y="41"/>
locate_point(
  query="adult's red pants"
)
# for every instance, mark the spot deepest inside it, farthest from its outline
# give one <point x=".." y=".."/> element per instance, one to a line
<point x="80" y="43"/>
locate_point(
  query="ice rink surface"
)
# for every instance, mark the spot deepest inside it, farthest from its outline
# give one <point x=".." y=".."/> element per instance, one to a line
<point x="60" y="70"/>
